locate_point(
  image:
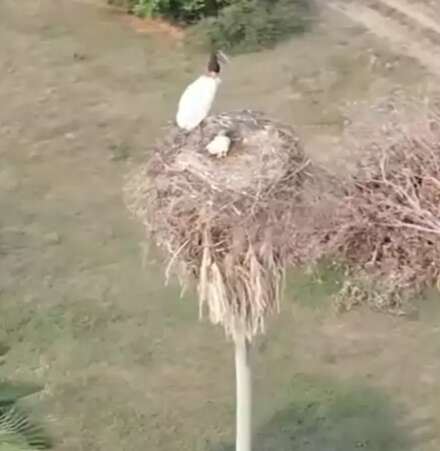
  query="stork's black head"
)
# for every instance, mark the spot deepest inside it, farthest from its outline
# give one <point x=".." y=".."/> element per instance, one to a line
<point x="214" y="61"/>
<point x="214" y="65"/>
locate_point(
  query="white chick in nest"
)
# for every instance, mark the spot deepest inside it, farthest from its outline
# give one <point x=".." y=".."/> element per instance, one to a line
<point x="220" y="145"/>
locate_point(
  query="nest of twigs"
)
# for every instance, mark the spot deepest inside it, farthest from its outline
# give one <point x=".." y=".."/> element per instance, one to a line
<point x="389" y="217"/>
<point x="232" y="224"/>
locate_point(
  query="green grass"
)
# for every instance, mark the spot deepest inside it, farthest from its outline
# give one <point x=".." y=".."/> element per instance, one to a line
<point x="125" y="363"/>
<point x="313" y="289"/>
<point x="324" y="414"/>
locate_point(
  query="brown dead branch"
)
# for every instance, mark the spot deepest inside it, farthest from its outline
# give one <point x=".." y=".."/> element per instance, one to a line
<point x="389" y="216"/>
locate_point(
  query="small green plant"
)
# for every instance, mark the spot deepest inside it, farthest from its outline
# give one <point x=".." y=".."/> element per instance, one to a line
<point x="10" y="393"/>
<point x="18" y="432"/>
<point x="250" y="25"/>
<point x="119" y="152"/>
<point x="233" y="25"/>
<point x="147" y="8"/>
<point x="185" y="11"/>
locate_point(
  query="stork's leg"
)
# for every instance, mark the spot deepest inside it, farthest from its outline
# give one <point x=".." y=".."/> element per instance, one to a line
<point x="201" y="127"/>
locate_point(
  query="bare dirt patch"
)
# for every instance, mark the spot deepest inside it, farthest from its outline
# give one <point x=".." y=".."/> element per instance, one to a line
<point x="407" y="26"/>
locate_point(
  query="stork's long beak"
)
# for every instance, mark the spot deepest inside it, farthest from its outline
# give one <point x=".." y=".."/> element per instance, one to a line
<point x="222" y="56"/>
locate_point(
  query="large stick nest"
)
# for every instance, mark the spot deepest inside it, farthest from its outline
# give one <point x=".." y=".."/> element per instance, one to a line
<point x="389" y="217"/>
<point x="229" y="224"/>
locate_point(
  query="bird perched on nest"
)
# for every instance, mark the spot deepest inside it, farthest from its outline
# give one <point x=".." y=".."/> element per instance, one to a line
<point x="197" y="99"/>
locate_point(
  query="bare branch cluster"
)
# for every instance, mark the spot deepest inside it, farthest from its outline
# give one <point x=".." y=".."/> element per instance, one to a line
<point x="389" y="217"/>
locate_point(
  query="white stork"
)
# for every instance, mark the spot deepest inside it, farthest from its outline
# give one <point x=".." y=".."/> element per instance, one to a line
<point x="197" y="99"/>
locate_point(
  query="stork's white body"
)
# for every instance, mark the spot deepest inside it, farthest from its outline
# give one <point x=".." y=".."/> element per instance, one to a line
<point x="196" y="101"/>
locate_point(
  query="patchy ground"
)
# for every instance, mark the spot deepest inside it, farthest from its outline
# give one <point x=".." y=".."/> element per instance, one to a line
<point x="125" y="363"/>
<point x="411" y="27"/>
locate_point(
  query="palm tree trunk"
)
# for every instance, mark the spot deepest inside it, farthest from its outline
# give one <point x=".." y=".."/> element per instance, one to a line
<point x="244" y="395"/>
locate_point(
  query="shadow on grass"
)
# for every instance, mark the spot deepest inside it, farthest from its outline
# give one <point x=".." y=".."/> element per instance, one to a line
<point x="326" y="415"/>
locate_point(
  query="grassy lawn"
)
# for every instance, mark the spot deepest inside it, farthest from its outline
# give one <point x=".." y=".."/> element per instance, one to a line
<point x="125" y="363"/>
